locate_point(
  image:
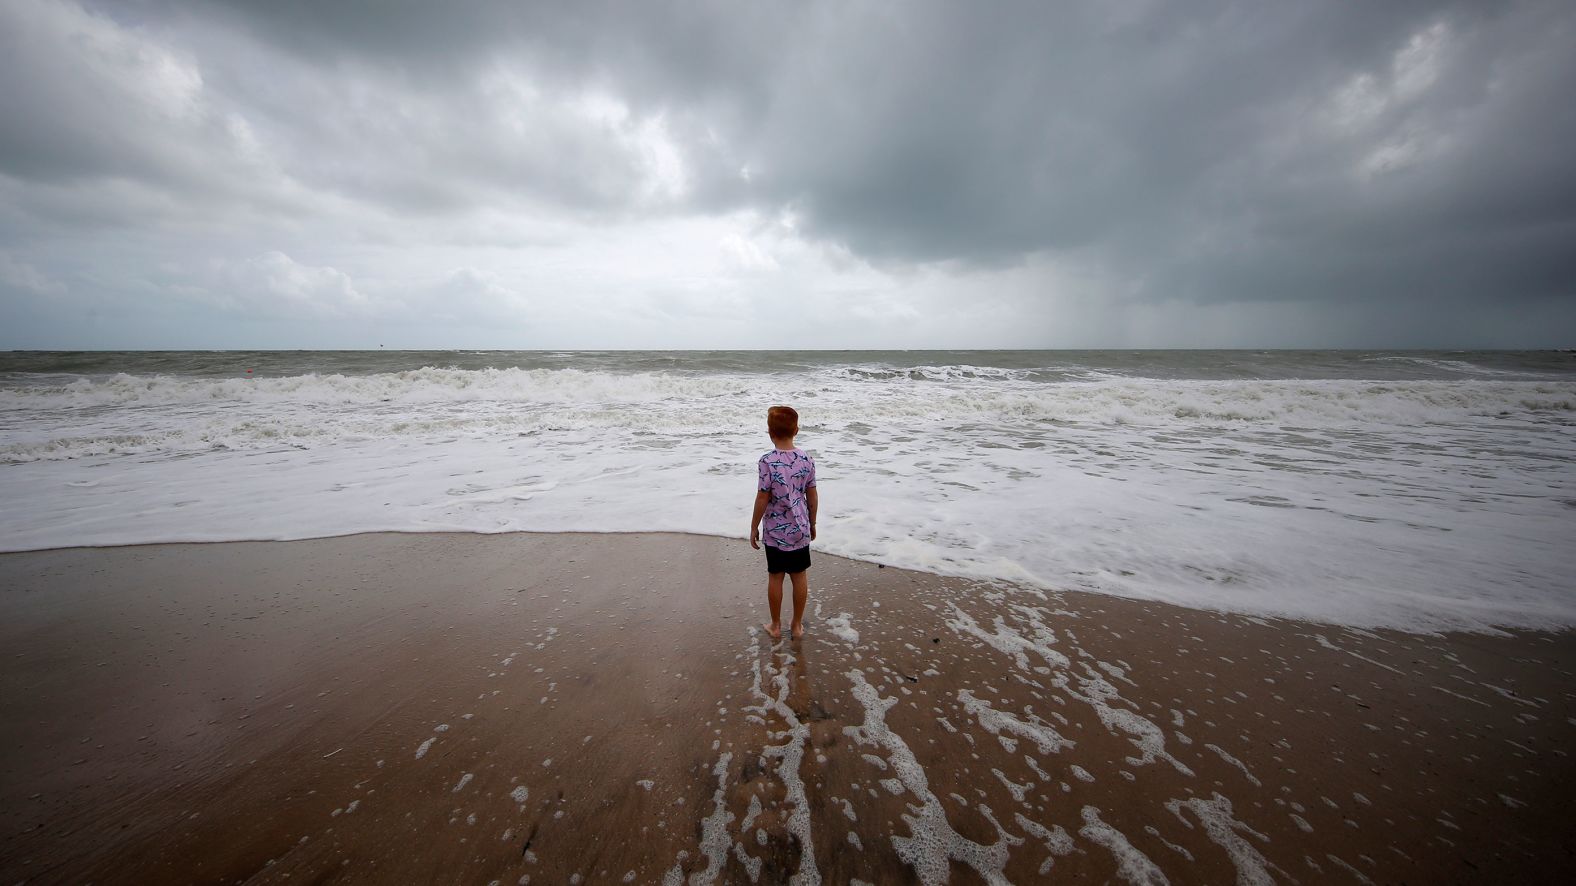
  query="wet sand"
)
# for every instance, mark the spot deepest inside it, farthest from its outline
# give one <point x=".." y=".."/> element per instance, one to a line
<point x="461" y="708"/>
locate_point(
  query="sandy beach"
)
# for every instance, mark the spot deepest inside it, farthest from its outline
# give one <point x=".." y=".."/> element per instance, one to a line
<point x="604" y="708"/>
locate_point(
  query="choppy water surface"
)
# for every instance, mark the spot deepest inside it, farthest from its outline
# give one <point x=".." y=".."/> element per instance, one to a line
<point x="1410" y="489"/>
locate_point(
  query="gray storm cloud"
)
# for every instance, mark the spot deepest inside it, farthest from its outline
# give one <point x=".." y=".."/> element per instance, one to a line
<point x="1129" y="173"/>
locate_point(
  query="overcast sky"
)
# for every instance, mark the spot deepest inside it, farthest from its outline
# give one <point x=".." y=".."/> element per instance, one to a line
<point x="1120" y="173"/>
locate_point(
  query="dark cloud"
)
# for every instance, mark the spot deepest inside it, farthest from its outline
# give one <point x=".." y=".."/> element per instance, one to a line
<point x="1404" y="153"/>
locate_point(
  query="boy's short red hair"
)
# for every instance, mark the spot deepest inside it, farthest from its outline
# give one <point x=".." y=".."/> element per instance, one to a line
<point x="782" y="421"/>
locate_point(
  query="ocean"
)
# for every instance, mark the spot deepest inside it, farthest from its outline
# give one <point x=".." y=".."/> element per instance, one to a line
<point x="1424" y="491"/>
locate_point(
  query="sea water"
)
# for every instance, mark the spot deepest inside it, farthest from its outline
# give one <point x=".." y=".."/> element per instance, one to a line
<point x="1417" y="490"/>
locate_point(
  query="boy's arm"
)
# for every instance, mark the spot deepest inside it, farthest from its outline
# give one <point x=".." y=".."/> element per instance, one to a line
<point x="762" y="498"/>
<point x="813" y="499"/>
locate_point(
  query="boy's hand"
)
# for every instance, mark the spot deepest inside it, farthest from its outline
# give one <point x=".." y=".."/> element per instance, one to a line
<point x="762" y="499"/>
<point x="812" y="532"/>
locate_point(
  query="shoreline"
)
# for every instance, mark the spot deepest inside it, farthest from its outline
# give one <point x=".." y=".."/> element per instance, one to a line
<point x="1486" y="629"/>
<point x="222" y="710"/>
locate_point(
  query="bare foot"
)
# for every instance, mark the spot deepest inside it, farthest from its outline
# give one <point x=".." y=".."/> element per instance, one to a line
<point x="798" y="630"/>
<point x="773" y="628"/>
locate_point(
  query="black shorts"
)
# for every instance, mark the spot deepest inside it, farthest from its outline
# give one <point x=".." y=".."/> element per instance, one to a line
<point x="797" y="560"/>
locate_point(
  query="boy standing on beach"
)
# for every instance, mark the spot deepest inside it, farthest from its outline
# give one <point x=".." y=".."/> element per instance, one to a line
<point x="787" y="500"/>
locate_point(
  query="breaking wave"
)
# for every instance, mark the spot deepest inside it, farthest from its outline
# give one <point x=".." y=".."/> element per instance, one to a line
<point x="1427" y="503"/>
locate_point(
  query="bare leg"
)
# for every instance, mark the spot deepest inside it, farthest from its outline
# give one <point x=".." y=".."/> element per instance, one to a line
<point x="774" y="599"/>
<point x="801" y="593"/>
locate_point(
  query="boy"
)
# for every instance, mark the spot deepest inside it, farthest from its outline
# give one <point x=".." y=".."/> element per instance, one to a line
<point x="787" y="499"/>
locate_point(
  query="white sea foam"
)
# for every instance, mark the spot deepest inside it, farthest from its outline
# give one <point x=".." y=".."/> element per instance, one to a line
<point x="1320" y="639"/>
<point x="1221" y="753"/>
<point x="1018" y="791"/>
<point x="1148" y="738"/>
<point x="1055" y="838"/>
<point x="843" y="629"/>
<point x="1131" y="864"/>
<point x="1419" y="504"/>
<point x="1007" y="640"/>
<point x="789" y="755"/>
<point x="998" y="722"/>
<point x="752" y="865"/>
<point x="1355" y="874"/>
<point x="1220" y="824"/>
<point x="931" y="842"/>
<point x="714" y="828"/>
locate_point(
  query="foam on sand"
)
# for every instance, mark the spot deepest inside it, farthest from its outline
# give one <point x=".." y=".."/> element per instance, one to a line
<point x="1056" y="840"/>
<point x="932" y="842"/>
<point x="1144" y="734"/>
<point x="1131" y="864"/>
<point x="1009" y="641"/>
<point x="1092" y="687"/>
<point x="1219" y="752"/>
<point x="789" y="756"/>
<point x="840" y="626"/>
<point x="714" y="828"/>
<point x="1216" y="816"/>
<point x="998" y="722"/>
